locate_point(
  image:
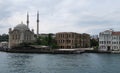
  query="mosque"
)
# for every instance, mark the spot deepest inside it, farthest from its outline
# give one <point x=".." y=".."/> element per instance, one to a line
<point x="22" y="33"/>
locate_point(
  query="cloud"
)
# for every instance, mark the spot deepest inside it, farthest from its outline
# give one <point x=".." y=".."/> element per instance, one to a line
<point x="82" y="16"/>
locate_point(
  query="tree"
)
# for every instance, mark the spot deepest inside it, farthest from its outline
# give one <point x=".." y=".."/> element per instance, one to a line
<point x="48" y="41"/>
<point x="4" y="37"/>
<point x="94" y="43"/>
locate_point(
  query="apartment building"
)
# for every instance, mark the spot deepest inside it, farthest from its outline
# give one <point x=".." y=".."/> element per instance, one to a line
<point x="72" y="40"/>
<point x="109" y="40"/>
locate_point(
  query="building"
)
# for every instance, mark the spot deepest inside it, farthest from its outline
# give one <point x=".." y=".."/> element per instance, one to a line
<point x="72" y="40"/>
<point x="47" y="35"/>
<point x="109" y="40"/>
<point x="85" y="40"/>
<point x="4" y="44"/>
<point x="95" y="37"/>
<point x="22" y="33"/>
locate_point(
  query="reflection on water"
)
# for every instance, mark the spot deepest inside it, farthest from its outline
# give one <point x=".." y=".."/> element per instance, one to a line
<point x="48" y="63"/>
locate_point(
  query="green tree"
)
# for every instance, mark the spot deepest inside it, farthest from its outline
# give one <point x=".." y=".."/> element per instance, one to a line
<point x="94" y="43"/>
<point x="4" y="37"/>
<point x="48" y="41"/>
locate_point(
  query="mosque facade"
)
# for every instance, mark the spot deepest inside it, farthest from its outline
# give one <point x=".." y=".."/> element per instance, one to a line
<point x="22" y="33"/>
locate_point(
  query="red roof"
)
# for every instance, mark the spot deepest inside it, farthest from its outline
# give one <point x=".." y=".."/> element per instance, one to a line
<point x="115" y="33"/>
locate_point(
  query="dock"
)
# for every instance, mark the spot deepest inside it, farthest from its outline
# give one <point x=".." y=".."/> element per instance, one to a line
<point x="68" y="51"/>
<point x="41" y="50"/>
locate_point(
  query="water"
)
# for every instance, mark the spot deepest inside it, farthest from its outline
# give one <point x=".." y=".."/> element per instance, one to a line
<point x="50" y="63"/>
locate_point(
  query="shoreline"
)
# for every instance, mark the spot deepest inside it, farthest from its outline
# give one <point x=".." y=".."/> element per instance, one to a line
<point x="51" y="51"/>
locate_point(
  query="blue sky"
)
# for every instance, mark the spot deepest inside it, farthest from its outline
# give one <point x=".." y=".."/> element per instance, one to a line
<point x="82" y="16"/>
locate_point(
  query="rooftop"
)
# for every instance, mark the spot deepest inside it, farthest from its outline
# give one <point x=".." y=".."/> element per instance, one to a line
<point x="21" y="27"/>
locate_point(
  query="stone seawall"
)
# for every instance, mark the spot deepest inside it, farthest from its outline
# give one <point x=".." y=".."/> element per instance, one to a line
<point x="49" y="51"/>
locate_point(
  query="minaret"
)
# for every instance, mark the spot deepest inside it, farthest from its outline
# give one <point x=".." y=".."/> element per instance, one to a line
<point x="37" y="23"/>
<point x="27" y="20"/>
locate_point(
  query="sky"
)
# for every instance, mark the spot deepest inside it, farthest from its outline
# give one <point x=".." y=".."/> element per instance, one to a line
<point x="81" y="16"/>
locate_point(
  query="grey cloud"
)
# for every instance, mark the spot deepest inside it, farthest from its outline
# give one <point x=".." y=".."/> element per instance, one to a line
<point x="57" y="14"/>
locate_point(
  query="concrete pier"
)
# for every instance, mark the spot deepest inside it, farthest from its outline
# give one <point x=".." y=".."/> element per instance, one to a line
<point x="68" y="51"/>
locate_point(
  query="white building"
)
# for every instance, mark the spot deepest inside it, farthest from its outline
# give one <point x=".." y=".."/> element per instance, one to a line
<point x="22" y="33"/>
<point x="109" y="40"/>
<point x="4" y="44"/>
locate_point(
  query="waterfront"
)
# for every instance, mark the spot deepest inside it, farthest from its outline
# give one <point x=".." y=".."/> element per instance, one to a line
<point x="59" y="63"/>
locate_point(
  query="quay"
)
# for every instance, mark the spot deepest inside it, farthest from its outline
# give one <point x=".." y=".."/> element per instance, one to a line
<point x="45" y="50"/>
<point x="68" y="51"/>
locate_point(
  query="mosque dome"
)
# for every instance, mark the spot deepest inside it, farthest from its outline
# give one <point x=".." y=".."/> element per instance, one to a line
<point x="21" y="27"/>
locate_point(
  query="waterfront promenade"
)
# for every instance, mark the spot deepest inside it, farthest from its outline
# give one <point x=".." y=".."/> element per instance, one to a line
<point x="46" y="50"/>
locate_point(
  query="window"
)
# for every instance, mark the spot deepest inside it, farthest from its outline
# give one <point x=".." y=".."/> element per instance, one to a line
<point x="104" y="42"/>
